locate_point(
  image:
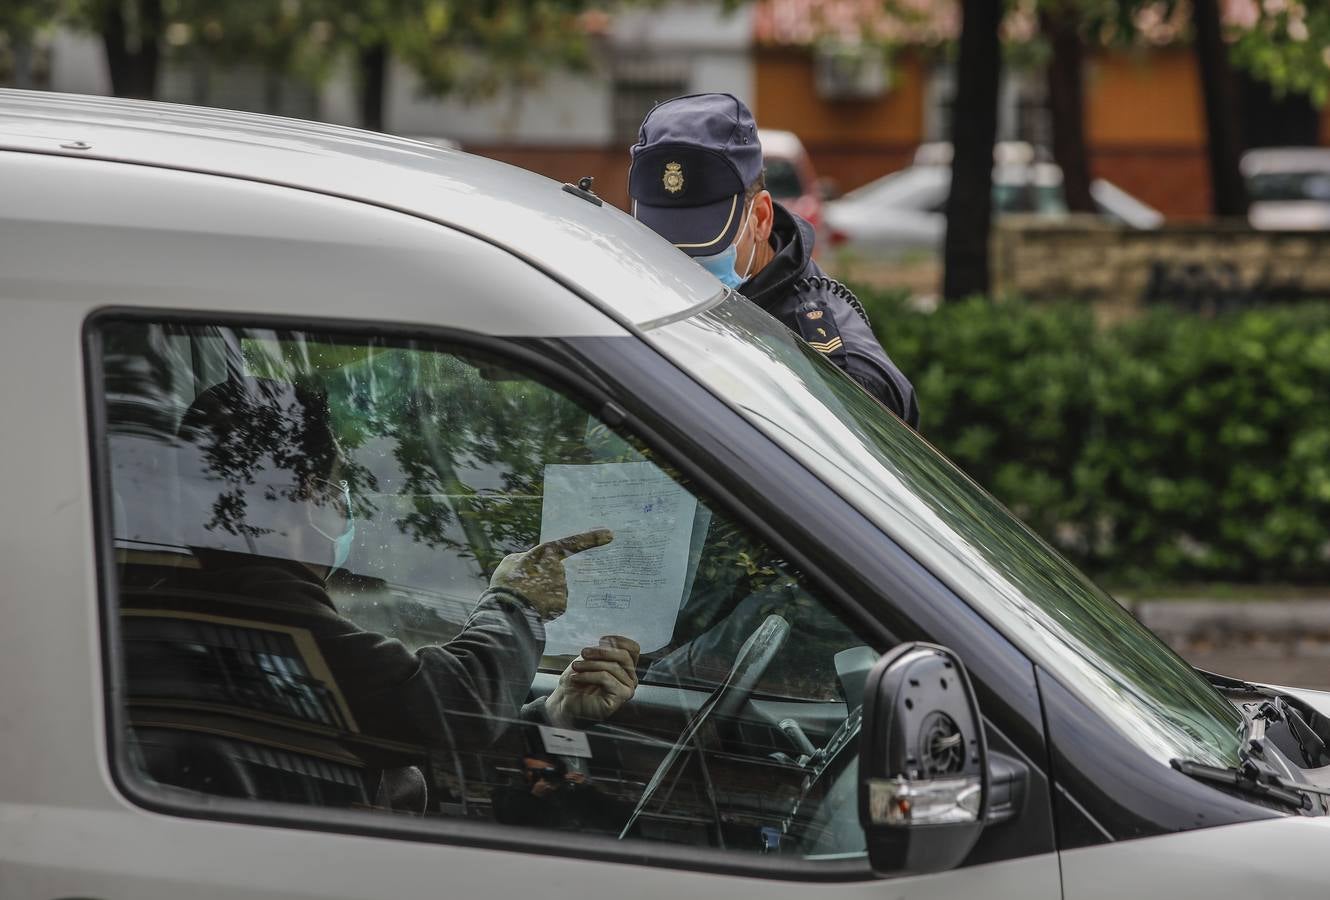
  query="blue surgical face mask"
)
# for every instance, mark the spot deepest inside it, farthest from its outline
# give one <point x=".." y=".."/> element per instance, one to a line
<point x="342" y="548"/>
<point x="722" y="264"/>
<point x="341" y="543"/>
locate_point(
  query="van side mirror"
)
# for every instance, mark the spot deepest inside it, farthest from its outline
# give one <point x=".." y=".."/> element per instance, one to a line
<point x="923" y="763"/>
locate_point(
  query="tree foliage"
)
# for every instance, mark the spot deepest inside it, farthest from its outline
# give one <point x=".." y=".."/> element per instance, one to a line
<point x="1170" y="448"/>
<point x="469" y="47"/>
<point x="478" y="48"/>
<point x="1285" y="43"/>
<point x="21" y="19"/>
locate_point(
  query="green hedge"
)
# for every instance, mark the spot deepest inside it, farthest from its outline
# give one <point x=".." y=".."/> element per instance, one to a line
<point x="1170" y="448"/>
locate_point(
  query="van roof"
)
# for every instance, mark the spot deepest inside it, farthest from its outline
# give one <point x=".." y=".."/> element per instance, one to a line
<point x="599" y="251"/>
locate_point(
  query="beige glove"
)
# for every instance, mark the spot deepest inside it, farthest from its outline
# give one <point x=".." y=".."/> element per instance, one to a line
<point x="537" y="575"/>
<point x="596" y="684"/>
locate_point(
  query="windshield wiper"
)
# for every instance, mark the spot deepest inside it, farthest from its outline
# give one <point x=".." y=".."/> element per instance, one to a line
<point x="1249" y="779"/>
<point x="1256" y="776"/>
<point x="1227" y="684"/>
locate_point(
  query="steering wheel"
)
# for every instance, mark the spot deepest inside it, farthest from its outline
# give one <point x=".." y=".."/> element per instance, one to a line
<point x="728" y="698"/>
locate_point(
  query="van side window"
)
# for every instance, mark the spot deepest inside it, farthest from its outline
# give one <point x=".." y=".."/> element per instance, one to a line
<point x="394" y="576"/>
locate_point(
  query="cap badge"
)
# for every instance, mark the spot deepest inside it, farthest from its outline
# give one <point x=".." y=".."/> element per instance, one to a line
<point x="673" y="177"/>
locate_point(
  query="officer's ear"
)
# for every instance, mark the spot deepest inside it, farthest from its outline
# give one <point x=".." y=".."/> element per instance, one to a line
<point x="763" y="215"/>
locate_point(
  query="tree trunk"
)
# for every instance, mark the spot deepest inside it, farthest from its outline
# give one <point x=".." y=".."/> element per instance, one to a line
<point x="1270" y="121"/>
<point x="1228" y="193"/>
<point x="973" y="131"/>
<point x="373" y="85"/>
<point x="1066" y="105"/>
<point x="133" y="53"/>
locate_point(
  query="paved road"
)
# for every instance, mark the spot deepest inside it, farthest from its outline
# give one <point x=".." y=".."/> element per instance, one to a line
<point x="1304" y="664"/>
<point x="1278" y="642"/>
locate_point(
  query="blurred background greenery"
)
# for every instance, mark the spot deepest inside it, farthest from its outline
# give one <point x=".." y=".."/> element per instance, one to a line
<point x="1170" y="448"/>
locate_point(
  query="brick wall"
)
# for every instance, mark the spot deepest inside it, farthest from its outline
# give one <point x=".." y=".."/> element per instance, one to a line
<point x="609" y="165"/>
<point x="1206" y="267"/>
<point x="1174" y="180"/>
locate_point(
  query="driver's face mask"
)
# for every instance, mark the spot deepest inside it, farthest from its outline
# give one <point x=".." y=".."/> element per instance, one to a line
<point x="337" y="497"/>
<point x="722" y="264"/>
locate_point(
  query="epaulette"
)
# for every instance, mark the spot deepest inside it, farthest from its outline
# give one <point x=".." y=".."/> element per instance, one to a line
<point x="836" y="289"/>
<point x="817" y="326"/>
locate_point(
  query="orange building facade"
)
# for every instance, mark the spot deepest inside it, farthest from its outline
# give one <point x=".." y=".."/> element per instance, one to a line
<point x="1145" y="127"/>
<point x="1145" y="123"/>
<point x="850" y="141"/>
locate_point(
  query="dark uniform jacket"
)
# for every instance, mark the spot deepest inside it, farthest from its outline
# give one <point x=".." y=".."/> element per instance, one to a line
<point x="461" y="694"/>
<point x="796" y="291"/>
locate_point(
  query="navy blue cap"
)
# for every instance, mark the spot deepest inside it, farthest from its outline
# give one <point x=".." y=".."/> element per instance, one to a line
<point x="694" y="158"/>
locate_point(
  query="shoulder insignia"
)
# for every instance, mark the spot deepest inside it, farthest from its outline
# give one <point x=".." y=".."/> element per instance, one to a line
<point x="817" y="326"/>
<point x="830" y="287"/>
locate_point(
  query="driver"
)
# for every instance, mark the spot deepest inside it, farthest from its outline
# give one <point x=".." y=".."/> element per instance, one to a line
<point x="261" y="461"/>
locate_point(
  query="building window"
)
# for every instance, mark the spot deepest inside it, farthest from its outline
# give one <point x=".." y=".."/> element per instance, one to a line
<point x="638" y="85"/>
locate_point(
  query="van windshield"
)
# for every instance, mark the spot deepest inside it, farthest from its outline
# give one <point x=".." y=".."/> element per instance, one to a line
<point x="967" y="538"/>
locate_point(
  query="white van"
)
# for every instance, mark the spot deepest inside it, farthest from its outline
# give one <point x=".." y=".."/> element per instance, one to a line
<point x="280" y="399"/>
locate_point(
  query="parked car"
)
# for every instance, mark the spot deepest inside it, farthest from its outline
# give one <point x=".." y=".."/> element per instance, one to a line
<point x="791" y="178"/>
<point x="855" y="664"/>
<point x="903" y="213"/>
<point x="1289" y="188"/>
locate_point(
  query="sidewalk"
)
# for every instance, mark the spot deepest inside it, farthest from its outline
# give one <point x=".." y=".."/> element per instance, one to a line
<point x="1232" y="619"/>
<point x="1276" y="641"/>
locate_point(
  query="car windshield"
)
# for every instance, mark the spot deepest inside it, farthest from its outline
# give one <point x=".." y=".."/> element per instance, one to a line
<point x="1019" y="583"/>
<point x="783" y="179"/>
<point x="1285" y="186"/>
<point x="918" y="187"/>
<point x="926" y="188"/>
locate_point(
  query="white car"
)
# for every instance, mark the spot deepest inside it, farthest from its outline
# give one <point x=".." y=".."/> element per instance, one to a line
<point x="903" y="214"/>
<point x="281" y="397"/>
<point x="1288" y="187"/>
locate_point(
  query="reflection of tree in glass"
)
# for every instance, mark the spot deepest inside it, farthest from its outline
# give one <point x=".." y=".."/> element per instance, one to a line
<point x="248" y="424"/>
<point x="452" y="426"/>
<point x="467" y="442"/>
<point x="240" y="424"/>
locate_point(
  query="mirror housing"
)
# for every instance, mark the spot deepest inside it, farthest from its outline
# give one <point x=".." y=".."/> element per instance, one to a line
<point x="923" y="762"/>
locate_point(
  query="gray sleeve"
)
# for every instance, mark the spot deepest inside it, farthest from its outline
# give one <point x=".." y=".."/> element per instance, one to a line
<point x="464" y="693"/>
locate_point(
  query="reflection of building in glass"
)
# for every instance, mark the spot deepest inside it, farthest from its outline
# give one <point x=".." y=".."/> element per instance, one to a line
<point x="237" y="708"/>
<point x="251" y="666"/>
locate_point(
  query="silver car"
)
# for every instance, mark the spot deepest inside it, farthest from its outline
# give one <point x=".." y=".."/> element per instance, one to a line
<point x="1289" y="188"/>
<point x="902" y="215"/>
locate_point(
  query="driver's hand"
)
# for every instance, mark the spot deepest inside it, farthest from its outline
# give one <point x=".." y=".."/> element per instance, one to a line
<point x="537" y="575"/>
<point x="596" y="684"/>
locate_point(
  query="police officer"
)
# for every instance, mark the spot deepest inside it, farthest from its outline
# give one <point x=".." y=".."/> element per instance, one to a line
<point x="696" y="179"/>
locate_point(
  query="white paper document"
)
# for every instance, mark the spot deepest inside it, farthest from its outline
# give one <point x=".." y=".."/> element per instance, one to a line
<point x="633" y="586"/>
